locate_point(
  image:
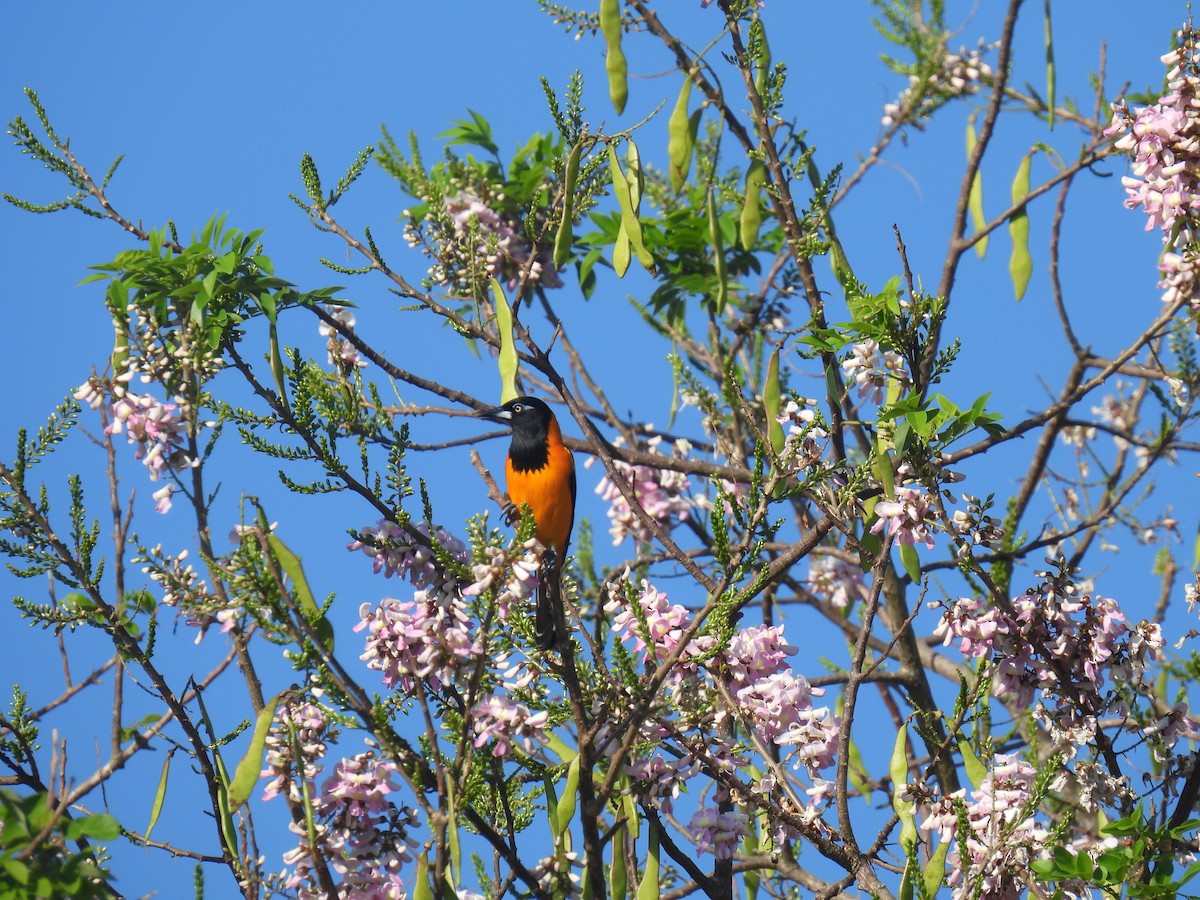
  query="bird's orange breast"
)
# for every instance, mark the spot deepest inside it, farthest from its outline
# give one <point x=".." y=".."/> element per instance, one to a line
<point x="549" y="491"/>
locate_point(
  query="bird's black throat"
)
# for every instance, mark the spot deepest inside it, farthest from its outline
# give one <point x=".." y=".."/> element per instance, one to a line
<point x="530" y="449"/>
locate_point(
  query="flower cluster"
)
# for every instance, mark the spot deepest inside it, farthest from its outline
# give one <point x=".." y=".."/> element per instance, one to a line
<point x="362" y="836"/>
<point x="717" y="832"/>
<point x="835" y="580"/>
<point x="806" y="437"/>
<point x="780" y="708"/>
<point x="975" y="526"/>
<point x="341" y="352"/>
<point x="1164" y="141"/>
<point x="871" y="368"/>
<point x="1066" y="644"/>
<point x="958" y="75"/>
<point x="658" y="779"/>
<point x="508" y="722"/>
<point x="184" y="589"/>
<point x="396" y="552"/>
<point x="297" y="724"/>
<point x="157" y="429"/>
<point x="662" y="493"/>
<point x="472" y="225"/>
<point x="427" y="638"/>
<point x="656" y="627"/>
<point x="1004" y="836"/>
<point x="517" y="572"/>
<point x="908" y="517"/>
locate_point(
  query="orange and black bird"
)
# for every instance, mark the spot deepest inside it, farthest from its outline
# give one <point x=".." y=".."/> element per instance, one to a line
<point x="540" y="472"/>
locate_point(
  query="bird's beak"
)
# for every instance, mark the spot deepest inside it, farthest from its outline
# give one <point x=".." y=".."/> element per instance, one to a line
<point x="498" y="414"/>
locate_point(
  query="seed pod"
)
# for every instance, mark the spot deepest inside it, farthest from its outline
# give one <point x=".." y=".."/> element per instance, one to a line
<point x="566" y="236"/>
<point x="1020" y="264"/>
<point x="614" y="57"/>
<point x="762" y="65"/>
<point x="630" y="223"/>
<point x="751" y="219"/>
<point x="718" y="245"/>
<point x="975" y="199"/>
<point x="681" y="138"/>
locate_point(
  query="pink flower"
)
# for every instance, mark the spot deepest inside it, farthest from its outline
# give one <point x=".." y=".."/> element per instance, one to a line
<point x="162" y="498"/>
<point x="364" y="838"/>
<point x="755" y="653"/>
<point x="396" y="552"/>
<point x="780" y="709"/>
<point x="871" y="368"/>
<point x="307" y="722"/>
<point x="659" y="779"/>
<point x="806" y="437"/>
<point x="664" y="627"/>
<point x="835" y="580"/>
<point x="716" y="832"/>
<point x="508" y="722"/>
<point x="908" y="517"/>
<point x="340" y="351"/>
<point x="516" y="570"/>
<point x="1004" y="836"/>
<point x="1164" y="141"/>
<point x="424" y="638"/>
<point x="662" y="493"/>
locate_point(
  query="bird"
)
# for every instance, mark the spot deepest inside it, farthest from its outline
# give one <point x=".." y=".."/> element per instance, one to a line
<point x="540" y="472"/>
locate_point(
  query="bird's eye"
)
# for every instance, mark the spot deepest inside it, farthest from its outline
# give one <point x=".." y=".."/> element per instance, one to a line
<point x="518" y="407"/>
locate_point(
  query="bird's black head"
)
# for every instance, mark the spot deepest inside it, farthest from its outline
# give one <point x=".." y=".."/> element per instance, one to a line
<point x="530" y="420"/>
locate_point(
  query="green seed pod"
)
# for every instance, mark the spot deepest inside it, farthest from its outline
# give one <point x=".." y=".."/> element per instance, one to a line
<point x="681" y="138"/>
<point x="975" y="204"/>
<point x="718" y="245"/>
<point x="614" y="57"/>
<point x="630" y="222"/>
<point x="1020" y="264"/>
<point x="566" y="235"/>
<point x="751" y="219"/>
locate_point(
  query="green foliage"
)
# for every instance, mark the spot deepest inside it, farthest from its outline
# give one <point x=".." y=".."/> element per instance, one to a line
<point x="35" y="856"/>
<point x="216" y="283"/>
<point x="1144" y="860"/>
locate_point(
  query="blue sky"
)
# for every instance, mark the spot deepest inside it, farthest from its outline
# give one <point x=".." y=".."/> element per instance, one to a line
<point x="214" y="104"/>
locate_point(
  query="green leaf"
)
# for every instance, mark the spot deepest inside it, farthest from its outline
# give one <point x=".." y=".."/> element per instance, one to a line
<point x="618" y="877"/>
<point x="1020" y="264"/>
<point x="1051" y="78"/>
<point x="772" y="403"/>
<point x="718" y="247"/>
<point x="508" y="348"/>
<point x="100" y="827"/>
<point x="16" y="870"/>
<point x="422" y="890"/>
<point x="551" y="802"/>
<point x="935" y="871"/>
<point x="452" y="835"/>
<point x="246" y="774"/>
<point x="622" y="251"/>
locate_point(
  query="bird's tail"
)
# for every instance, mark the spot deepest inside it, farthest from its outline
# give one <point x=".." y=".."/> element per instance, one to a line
<point x="549" y="625"/>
